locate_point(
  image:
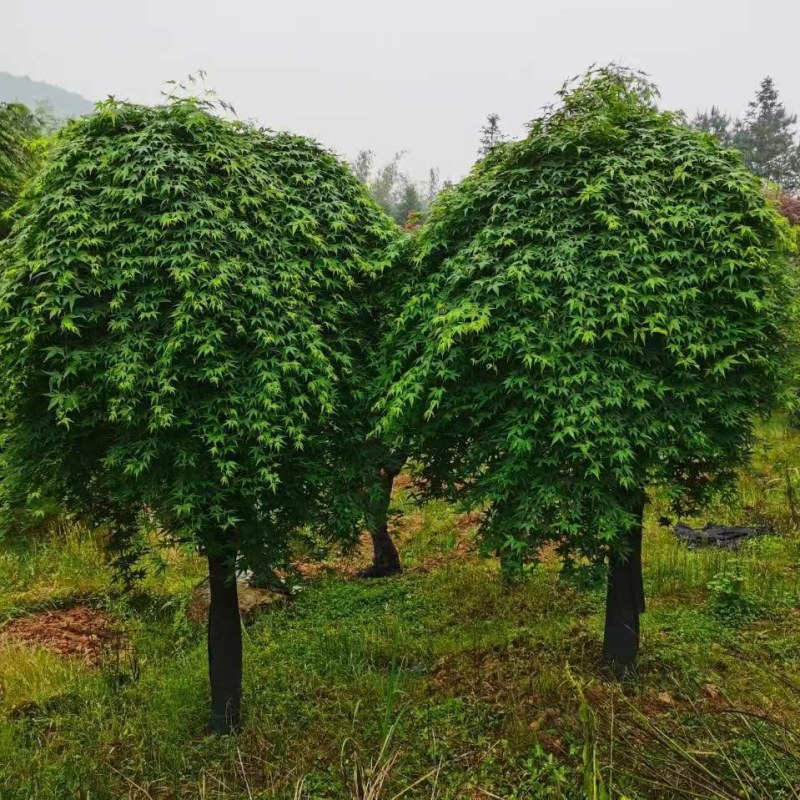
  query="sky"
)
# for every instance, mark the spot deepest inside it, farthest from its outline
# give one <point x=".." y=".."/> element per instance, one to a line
<point x="417" y="76"/>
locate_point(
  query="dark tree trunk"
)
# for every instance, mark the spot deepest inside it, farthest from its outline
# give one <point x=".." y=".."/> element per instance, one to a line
<point x="385" y="559"/>
<point x="224" y="647"/>
<point x="624" y="601"/>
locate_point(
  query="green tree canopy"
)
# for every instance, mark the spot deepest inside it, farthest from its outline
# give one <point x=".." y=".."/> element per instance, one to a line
<point x="596" y="307"/>
<point x="19" y="129"/>
<point x="715" y="121"/>
<point x="180" y="311"/>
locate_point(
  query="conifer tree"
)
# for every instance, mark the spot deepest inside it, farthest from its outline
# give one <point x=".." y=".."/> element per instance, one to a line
<point x="491" y="134"/>
<point x="767" y="138"/>
<point x="715" y="122"/>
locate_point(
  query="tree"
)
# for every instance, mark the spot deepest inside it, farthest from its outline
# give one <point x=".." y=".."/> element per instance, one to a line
<point x="377" y="461"/>
<point x="387" y="464"/>
<point x="381" y="463"/>
<point x="19" y="130"/>
<point x="593" y="309"/>
<point x="383" y="185"/>
<point x="362" y="166"/>
<point x="409" y="201"/>
<point x="789" y="206"/>
<point x="491" y="135"/>
<point x="715" y="122"/>
<point x="434" y="186"/>
<point x="180" y="309"/>
<point x="392" y="188"/>
<point x="767" y="137"/>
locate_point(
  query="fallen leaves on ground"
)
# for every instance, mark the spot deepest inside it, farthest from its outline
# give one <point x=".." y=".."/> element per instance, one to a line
<point x="77" y="632"/>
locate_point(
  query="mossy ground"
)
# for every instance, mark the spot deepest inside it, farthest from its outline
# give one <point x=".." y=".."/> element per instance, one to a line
<point x="444" y="682"/>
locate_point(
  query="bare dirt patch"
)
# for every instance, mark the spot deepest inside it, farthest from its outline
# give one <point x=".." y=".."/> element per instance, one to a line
<point x="402" y="528"/>
<point x="78" y="632"/>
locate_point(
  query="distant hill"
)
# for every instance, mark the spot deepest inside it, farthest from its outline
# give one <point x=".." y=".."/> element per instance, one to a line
<point x="58" y="102"/>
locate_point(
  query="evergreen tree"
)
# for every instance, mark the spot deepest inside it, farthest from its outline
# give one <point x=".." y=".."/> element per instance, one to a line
<point x="767" y="138"/>
<point x="491" y="134"/>
<point x="383" y="185"/>
<point x="716" y="123"/>
<point x="393" y="189"/>
<point x="408" y="201"/>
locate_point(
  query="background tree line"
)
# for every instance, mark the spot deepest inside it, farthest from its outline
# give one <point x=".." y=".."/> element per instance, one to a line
<point x="22" y="133"/>
<point x="766" y="135"/>
<point x="400" y="196"/>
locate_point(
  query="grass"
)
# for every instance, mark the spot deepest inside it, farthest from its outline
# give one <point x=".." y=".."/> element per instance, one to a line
<point x="442" y="683"/>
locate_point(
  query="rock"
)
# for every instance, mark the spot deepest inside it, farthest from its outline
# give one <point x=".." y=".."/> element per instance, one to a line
<point x="252" y="600"/>
<point x="712" y="535"/>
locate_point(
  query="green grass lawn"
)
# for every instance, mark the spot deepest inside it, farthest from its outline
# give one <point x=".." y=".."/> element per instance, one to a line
<point x="441" y="683"/>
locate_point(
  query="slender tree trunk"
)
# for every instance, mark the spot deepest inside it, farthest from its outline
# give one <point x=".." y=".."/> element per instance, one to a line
<point x="224" y="647"/>
<point x="385" y="559"/>
<point x="624" y="601"/>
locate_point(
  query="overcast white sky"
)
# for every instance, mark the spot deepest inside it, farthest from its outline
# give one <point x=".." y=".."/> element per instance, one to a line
<point x="415" y="75"/>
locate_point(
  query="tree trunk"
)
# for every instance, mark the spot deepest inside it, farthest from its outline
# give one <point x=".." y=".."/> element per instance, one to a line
<point x="224" y="647"/>
<point x="624" y="601"/>
<point x="385" y="559"/>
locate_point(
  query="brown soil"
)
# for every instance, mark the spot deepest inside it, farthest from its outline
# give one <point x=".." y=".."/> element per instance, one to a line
<point x="77" y="632"/>
<point x="402" y="530"/>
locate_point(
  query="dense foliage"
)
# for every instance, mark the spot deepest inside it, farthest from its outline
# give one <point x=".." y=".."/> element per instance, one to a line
<point x="19" y="156"/>
<point x="182" y="304"/>
<point x="177" y="306"/>
<point x="789" y="206"/>
<point x="596" y="307"/>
